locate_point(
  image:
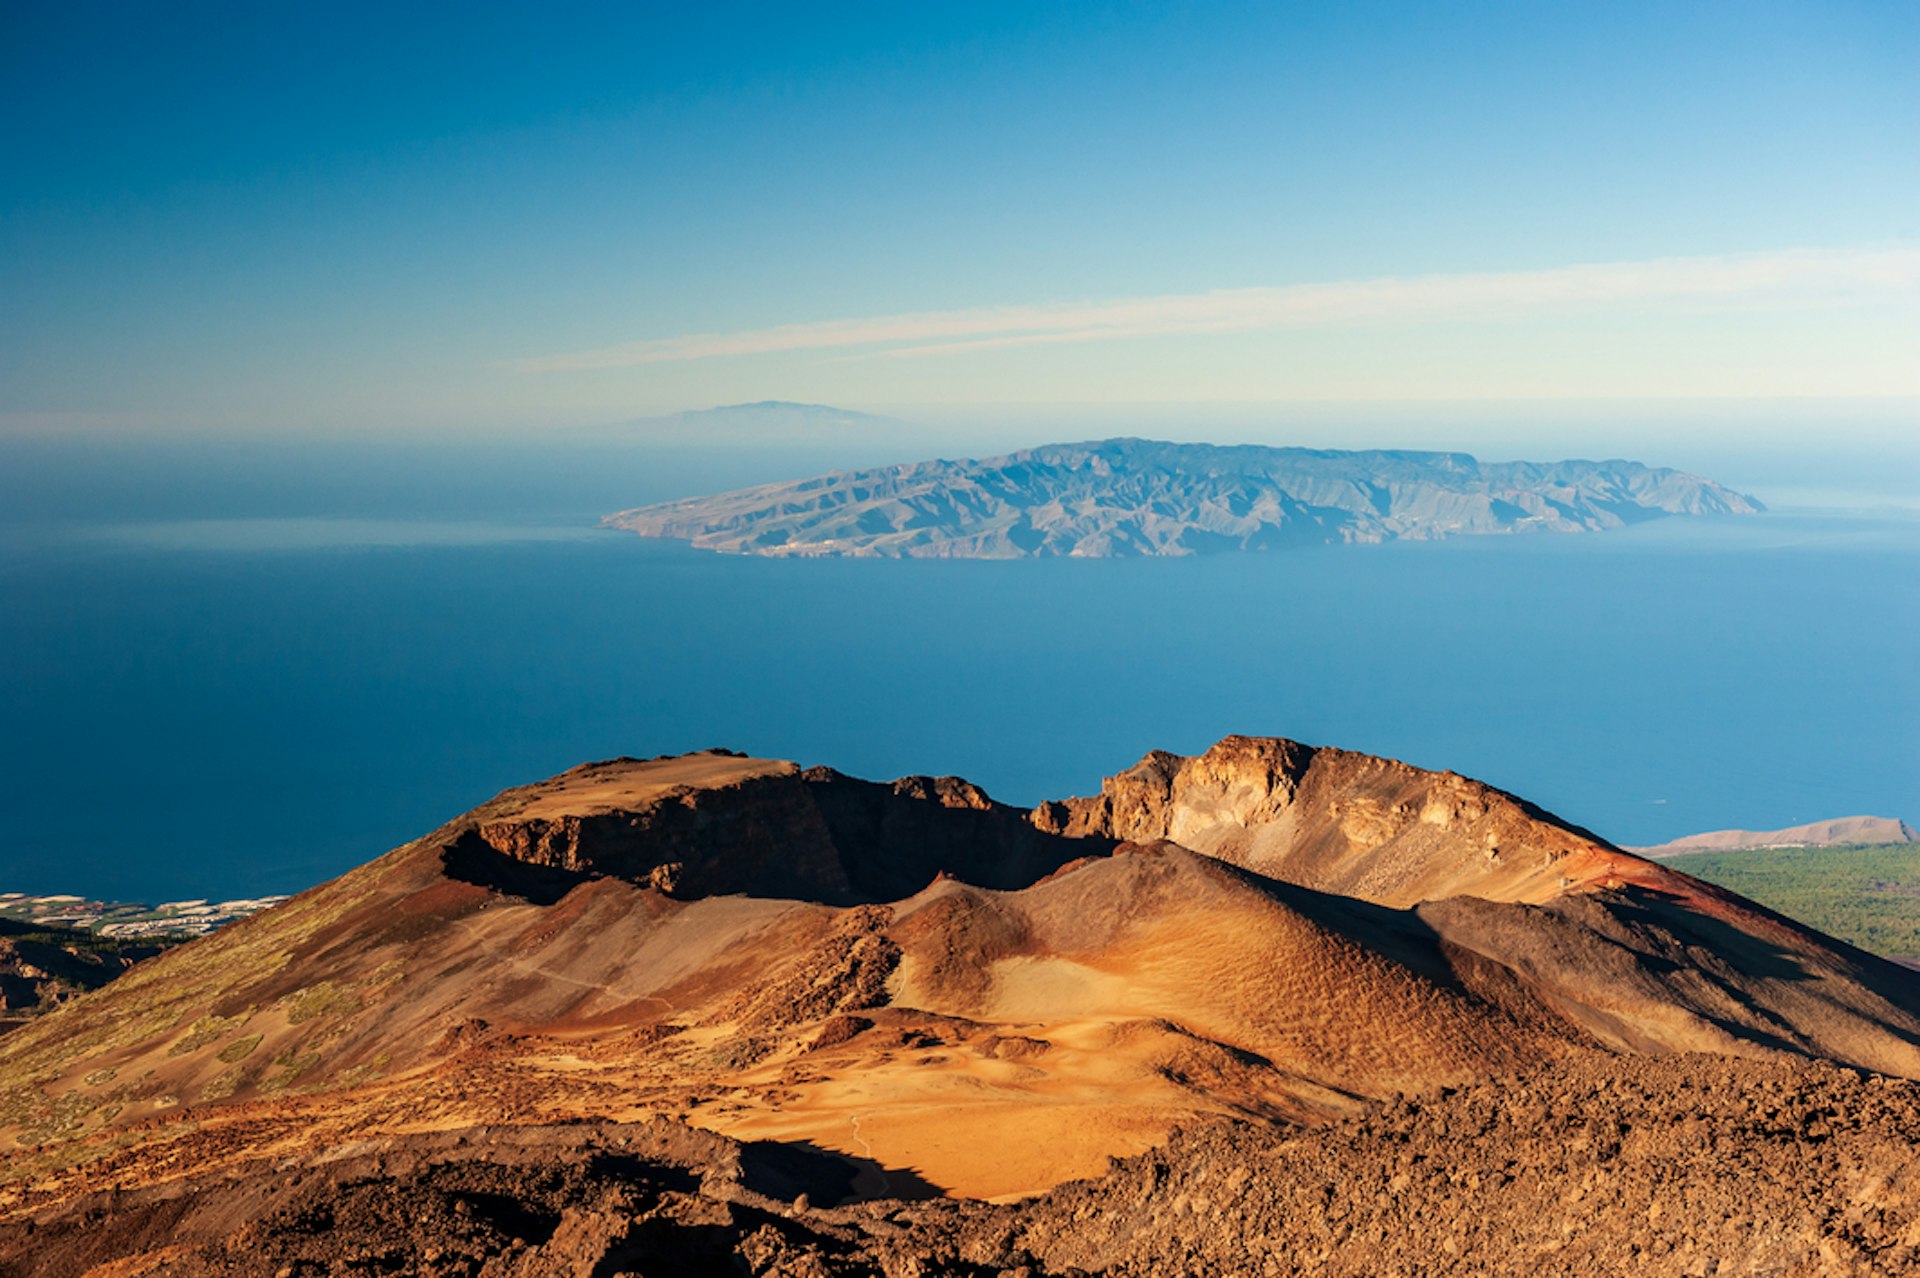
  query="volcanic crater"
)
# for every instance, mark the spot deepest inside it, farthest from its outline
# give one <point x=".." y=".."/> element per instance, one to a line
<point x="906" y="990"/>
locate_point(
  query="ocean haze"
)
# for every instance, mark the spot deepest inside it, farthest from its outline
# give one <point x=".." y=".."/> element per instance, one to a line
<point x="190" y="714"/>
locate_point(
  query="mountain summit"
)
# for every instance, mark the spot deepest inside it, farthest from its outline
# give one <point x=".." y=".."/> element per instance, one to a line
<point x="910" y="975"/>
<point x="1126" y="497"/>
<point x="690" y="1014"/>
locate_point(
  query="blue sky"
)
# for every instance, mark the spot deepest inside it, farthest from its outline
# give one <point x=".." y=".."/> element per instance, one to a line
<point x="289" y="217"/>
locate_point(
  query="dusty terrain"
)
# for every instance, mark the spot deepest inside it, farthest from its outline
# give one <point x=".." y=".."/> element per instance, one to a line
<point x="1125" y="497"/>
<point x="918" y="991"/>
<point x="1679" y="1166"/>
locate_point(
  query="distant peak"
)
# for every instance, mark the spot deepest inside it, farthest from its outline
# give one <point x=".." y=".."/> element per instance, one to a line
<point x="785" y="408"/>
<point x="1870" y="830"/>
<point x="765" y="416"/>
<point x="773" y="403"/>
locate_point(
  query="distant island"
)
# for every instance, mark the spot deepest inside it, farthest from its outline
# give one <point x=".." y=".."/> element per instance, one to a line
<point x="1137" y="497"/>
<point x="1853" y="831"/>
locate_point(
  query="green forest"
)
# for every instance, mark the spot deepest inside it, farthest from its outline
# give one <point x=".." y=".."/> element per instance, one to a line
<point x="1866" y="894"/>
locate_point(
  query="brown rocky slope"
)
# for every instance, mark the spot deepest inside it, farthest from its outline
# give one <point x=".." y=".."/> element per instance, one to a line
<point x="936" y="993"/>
<point x="1684" y="1165"/>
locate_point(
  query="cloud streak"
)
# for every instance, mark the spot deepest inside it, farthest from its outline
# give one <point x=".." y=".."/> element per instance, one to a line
<point x="1795" y="277"/>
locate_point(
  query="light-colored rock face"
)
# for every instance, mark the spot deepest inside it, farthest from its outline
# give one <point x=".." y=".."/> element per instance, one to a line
<point x="1126" y="497"/>
<point x="913" y="974"/>
<point x="1608" y="939"/>
<point x="1348" y="823"/>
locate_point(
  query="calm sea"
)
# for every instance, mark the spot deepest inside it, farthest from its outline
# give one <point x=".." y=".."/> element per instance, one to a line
<point x="227" y="674"/>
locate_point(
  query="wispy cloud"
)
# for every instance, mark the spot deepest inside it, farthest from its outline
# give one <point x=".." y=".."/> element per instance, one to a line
<point x="1760" y="279"/>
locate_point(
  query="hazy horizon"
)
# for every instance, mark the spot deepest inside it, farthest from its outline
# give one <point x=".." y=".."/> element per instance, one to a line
<point x="1805" y="454"/>
<point x="522" y="219"/>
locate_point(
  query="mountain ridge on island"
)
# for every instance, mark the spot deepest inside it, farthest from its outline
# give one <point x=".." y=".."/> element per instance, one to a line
<point x="1129" y="497"/>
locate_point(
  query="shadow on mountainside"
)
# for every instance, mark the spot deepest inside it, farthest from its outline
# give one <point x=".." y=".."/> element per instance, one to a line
<point x="784" y="1170"/>
<point x="471" y="859"/>
<point x="1756" y="956"/>
<point x="894" y="838"/>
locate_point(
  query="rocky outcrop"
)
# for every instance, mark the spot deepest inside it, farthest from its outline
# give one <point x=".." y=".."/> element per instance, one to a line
<point x="759" y="833"/>
<point x="1127" y="497"/>
<point x="774" y="831"/>
<point x="1349" y="823"/>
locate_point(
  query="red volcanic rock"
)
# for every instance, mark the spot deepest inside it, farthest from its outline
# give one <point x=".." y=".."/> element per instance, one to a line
<point x="936" y="993"/>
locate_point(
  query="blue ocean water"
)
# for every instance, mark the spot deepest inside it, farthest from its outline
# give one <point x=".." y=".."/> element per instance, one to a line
<point x="227" y="676"/>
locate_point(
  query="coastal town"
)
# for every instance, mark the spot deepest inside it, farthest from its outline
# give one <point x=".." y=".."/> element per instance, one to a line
<point x="127" y="920"/>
